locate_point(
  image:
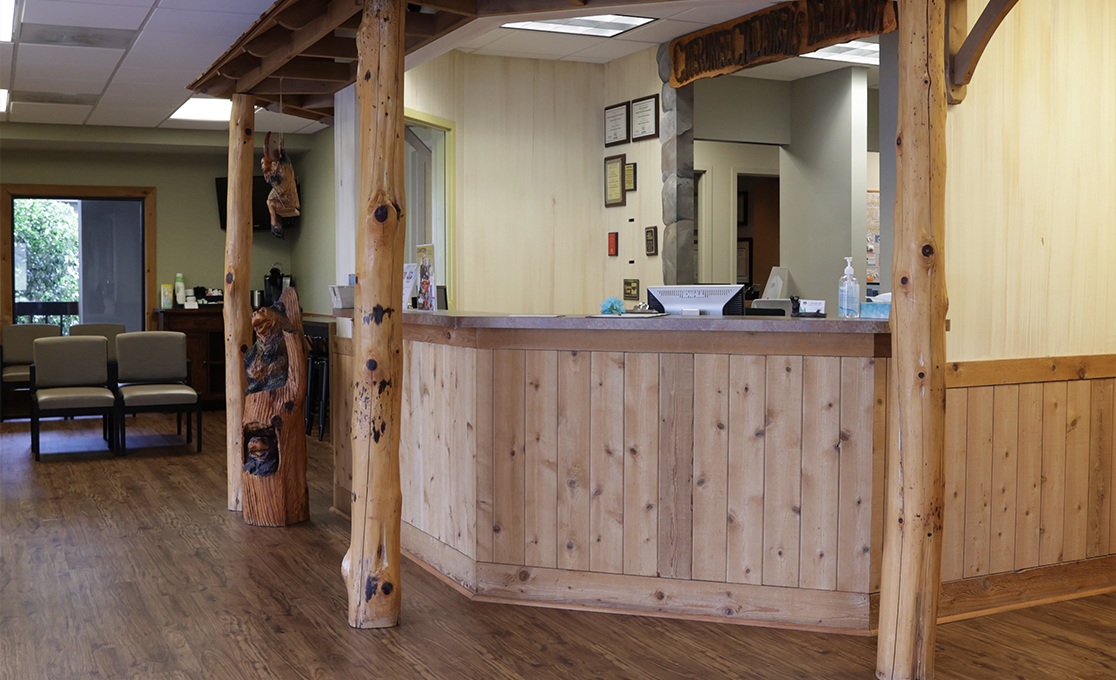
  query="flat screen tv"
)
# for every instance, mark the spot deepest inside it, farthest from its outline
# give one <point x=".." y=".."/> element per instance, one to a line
<point x="261" y="218"/>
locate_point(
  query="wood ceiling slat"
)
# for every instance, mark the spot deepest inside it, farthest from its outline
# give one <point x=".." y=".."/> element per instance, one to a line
<point x="301" y="14"/>
<point x="332" y="47"/>
<point x="337" y="12"/>
<point x="307" y="68"/>
<point x="461" y="7"/>
<point x="269" y="43"/>
<point x="296" y="86"/>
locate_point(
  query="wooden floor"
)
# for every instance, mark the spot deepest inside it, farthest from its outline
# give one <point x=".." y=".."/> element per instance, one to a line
<point x="133" y="568"/>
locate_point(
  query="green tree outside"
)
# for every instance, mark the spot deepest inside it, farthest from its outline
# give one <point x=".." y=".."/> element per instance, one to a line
<point x="46" y="244"/>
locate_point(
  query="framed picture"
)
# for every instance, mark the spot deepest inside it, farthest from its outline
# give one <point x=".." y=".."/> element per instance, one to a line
<point x="616" y="124"/>
<point x="613" y="243"/>
<point x="629" y="177"/>
<point x="631" y="289"/>
<point x="744" y="261"/>
<point x="651" y="240"/>
<point x="645" y="118"/>
<point x="614" y="181"/>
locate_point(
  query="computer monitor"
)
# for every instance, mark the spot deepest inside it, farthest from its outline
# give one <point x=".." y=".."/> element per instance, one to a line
<point x="694" y="300"/>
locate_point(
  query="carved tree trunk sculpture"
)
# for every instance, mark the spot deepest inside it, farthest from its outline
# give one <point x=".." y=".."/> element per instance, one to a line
<point x="273" y="460"/>
<point x="371" y="566"/>
<point x="238" y="268"/>
<point x="912" y="554"/>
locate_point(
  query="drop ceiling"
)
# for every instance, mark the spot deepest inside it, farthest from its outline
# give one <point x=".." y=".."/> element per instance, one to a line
<point x="128" y="62"/>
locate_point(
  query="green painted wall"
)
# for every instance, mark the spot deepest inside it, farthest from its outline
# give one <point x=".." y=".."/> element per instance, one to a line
<point x="182" y="165"/>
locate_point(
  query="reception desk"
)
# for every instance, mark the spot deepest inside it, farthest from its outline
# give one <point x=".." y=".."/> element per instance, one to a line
<point x="728" y="468"/>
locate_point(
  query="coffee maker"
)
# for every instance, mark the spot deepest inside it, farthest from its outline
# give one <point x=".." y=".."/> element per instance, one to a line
<point x="274" y="284"/>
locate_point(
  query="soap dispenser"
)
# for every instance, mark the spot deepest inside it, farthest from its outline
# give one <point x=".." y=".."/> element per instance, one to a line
<point x="848" y="294"/>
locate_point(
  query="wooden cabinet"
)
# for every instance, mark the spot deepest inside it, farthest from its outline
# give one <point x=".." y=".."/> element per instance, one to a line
<point x="205" y="348"/>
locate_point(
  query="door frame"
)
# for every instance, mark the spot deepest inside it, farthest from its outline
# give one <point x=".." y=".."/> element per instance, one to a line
<point x="9" y="192"/>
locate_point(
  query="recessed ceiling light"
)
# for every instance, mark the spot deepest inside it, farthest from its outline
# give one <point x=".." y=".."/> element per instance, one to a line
<point x="7" y="20"/>
<point x="853" y="52"/>
<point x="204" y="108"/>
<point x="3" y="101"/>
<point x="601" y="26"/>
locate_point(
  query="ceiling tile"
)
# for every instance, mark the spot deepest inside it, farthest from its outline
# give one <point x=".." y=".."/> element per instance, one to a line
<point x="60" y="85"/>
<point x="659" y="31"/>
<point x="100" y="15"/>
<point x="188" y="22"/>
<point x="607" y="50"/>
<point x="256" y="7"/>
<point x="709" y="13"/>
<point x="128" y="115"/>
<point x="7" y="51"/>
<point x="65" y="63"/>
<point x="69" y="114"/>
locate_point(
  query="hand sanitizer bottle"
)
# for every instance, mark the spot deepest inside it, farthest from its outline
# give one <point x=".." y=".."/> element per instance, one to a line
<point x="848" y="294"/>
<point x="179" y="290"/>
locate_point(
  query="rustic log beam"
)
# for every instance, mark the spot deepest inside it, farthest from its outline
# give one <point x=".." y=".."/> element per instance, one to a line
<point x="371" y="567"/>
<point x="301" y="14"/>
<point x="323" y="25"/>
<point x="332" y="47"/>
<point x="269" y="43"/>
<point x="911" y="569"/>
<point x="463" y="7"/>
<point x="306" y="68"/>
<point x="238" y="270"/>
<point x="286" y="87"/>
<point x="963" y="64"/>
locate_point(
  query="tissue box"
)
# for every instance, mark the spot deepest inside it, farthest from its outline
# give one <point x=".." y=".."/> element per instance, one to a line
<point x="875" y="310"/>
<point x="342" y="296"/>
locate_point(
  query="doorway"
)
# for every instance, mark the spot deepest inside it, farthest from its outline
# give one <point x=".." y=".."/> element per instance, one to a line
<point x="757" y="228"/>
<point x="75" y="254"/>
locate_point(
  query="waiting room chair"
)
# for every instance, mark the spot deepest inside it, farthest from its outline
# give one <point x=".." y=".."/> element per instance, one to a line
<point x="108" y="331"/>
<point x="71" y="377"/>
<point x="16" y="347"/>
<point x="153" y="376"/>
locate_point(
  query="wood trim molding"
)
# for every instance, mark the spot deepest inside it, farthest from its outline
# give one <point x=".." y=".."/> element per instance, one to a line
<point x="8" y="192"/>
<point x="996" y="593"/>
<point x="1041" y="369"/>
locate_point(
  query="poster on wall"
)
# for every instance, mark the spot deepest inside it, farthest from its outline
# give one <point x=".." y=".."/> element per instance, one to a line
<point x="427" y="286"/>
<point x="873" y="235"/>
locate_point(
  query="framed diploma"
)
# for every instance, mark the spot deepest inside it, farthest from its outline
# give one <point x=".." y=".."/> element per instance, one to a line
<point x="651" y="241"/>
<point x="614" y="181"/>
<point x="645" y="118"/>
<point x="616" y="124"/>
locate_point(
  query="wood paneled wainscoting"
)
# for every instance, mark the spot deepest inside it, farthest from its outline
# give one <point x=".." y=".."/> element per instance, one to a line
<point x="1029" y="475"/>
<point x="727" y="469"/>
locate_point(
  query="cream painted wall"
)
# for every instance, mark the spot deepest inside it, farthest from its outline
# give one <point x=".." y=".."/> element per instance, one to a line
<point x="530" y="223"/>
<point x="314" y="241"/>
<point x="1031" y="188"/>
<point x="721" y="163"/>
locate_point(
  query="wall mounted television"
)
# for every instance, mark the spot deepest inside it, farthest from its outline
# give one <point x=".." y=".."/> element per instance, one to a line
<point x="261" y="218"/>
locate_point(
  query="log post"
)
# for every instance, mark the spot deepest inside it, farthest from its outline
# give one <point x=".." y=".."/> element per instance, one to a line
<point x="238" y="270"/>
<point x="273" y="460"/>
<point x="371" y="567"/>
<point x="911" y="576"/>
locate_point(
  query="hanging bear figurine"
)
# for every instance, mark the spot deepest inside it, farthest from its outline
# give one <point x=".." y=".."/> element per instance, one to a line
<point x="282" y="201"/>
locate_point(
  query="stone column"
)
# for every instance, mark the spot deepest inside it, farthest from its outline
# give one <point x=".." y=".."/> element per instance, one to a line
<point x="676" y="135"/>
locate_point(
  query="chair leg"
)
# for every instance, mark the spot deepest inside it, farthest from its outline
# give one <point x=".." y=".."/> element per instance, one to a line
<point x="309" y="393"/>
<point x="189" y="427"/>
<point x="199" y="417"/>
<point x="121" y="434"/>
<point x="323" y="403"/>
<point x="178" y="418"/>
<point x="35" y="433"/>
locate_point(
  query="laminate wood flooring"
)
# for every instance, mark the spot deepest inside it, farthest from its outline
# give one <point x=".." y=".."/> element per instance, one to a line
<point x="132" y="568"/>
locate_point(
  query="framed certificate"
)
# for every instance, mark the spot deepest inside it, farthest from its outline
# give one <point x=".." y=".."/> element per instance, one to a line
<point x="645" y="118"/>
<point x="629" y="177"/>
<point x="616" y="124"/>
<point x="614" y="181"/>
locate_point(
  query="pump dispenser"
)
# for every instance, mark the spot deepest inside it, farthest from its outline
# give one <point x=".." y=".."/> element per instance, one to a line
<point x="179" y="290"/>
<point x="848" y="294"/>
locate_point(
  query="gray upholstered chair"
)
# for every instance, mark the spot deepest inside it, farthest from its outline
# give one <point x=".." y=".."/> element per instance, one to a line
<point x="71" y="377"/>
<point x="16" y="345"/>
<point x="153" y="376"/>
<point x="108" y="331"/>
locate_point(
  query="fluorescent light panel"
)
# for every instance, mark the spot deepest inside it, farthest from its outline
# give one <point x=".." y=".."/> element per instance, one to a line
<point x="204" y="108"/>
<point x="853" y="52"/>
<point x="601" y="26"/>
<point x="7" y="20"/>
<point x="3" y="101"/>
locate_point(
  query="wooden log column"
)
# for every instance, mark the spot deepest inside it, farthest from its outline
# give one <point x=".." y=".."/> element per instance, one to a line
<point x="371" y="567"/>
<point x="912" y="552"/>
<point x="238" y="269"/>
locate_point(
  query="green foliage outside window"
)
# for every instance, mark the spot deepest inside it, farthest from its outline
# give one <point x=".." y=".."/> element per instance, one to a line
<point x="46" y="250"/>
